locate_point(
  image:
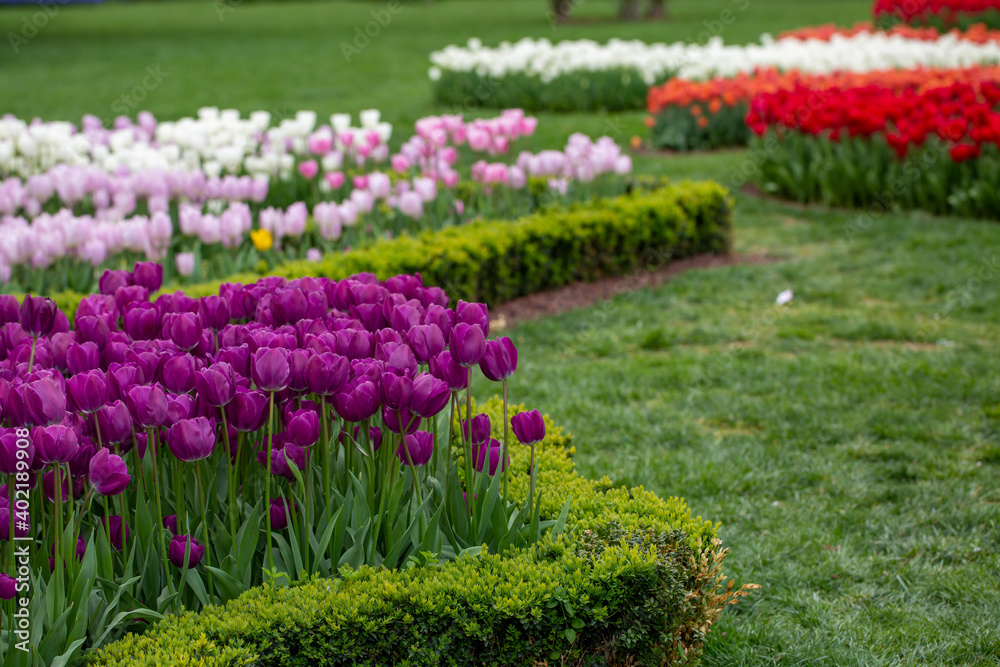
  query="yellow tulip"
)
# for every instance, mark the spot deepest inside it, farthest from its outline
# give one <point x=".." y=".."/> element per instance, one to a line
<point x="262" y="239"/>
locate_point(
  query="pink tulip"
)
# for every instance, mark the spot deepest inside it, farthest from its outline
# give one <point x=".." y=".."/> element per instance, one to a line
<point x="308" y="169"/>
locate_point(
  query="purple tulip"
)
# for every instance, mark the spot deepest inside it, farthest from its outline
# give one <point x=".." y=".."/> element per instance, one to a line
<point x="303" y="428"/>
<point x="215" y="311"/>
<point x="55" y="443"/>
<point x="248" y="410"/>
<point x="122" y="377"/>
<point x="282" y="458"/>
<point x="430" y="395"/>
<point x="192" y="439"/>
<point x="110" y="281"/>
<point x="71" y="488"/>
<point x="426" y="341"/>
<point x="353" y="343"/>
<point x="88" y="391"/>
<point x="491" y="451"/>
<point x="467" y="344"/>
<point x="92" y="328"/>
<point x="480" y="429"/>
<point x="529" y="427"/>
<point x="444" y="368"/>
<point x="184" y="329"/>
<point x="8" y="584"/>
<point x="43" y="401"/>
<point x="38" y="315"/>
<point x="142" y="321"/>
<point x="297" y="360"/>
<point x="80" y="463"/>
<point x="397" y="390"/>
<point x="170" y="523"/>
<point x="82" y="357"/>
<point x="326" y="373"/>
<point x="289" y="306"/>
<point x="500" y="360"/>
<point x="179" y="545"/>
<point x="114" y="423"/>
<point x="148" y="275"/>
<point x="238" y="357"/>
<point x="397" y="420"/>
<point x="443" y="317"/>
<point x="148" y="405"/>
<point x="116" y="530"/>
<point x="358" y="400"/>
<point x="10" y="453"/>
<point x="271" y="369"/>
<point x="108" y="473"/>
<point x="9" y="309"/>
<point x="281" y="512"/>
<point x="179" y="406"/>
<point x="216" y="384"/>
<point x="473" y="313"/>
<point x="124" y="296"/>
<point x="420" y="447"/>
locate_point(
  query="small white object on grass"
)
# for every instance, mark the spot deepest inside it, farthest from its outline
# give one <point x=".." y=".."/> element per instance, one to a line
<point x="784" y="297"/>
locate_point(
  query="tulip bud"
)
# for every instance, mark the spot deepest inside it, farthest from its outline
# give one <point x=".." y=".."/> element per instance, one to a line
<point x="529" y="427"/>
<point x="181" y="544"/>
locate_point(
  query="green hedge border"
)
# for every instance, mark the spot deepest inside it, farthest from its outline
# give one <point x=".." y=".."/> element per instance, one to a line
<point x="634" y="580"/>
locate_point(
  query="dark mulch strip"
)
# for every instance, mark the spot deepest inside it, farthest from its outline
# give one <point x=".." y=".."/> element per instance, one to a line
<point x="581" y="295"/>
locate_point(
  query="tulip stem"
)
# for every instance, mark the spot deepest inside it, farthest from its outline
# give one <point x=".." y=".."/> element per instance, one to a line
<point x="267" y="479"/>
<point x="231" y="469"/>
<point x="107" y="531"/>
<point x="57" y="564"/>
<point x="11" y="536"/>
<point x="470" y="474"/>
<point x="151" y="448"/>
<point x="31" y="359"/>
<point x="121" y="511"/>
<point x="97" y="431"/>
<point x="531" y="491"/>
<point x="506" y="440"/>
<point x="204" y="527"/>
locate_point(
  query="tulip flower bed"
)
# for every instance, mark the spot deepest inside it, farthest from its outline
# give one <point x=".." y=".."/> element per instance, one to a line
<point x="494" y="263"/>
<point x="219" y="194"/>
<point x="635" y="578"/>
<point x="177" y="453"/>
<point x="976" y="32"/>
<point x="941" y="14"/>
<point x="584" y="75"/>
<point x="935" y="149"/>
<point x="694" y="115"/>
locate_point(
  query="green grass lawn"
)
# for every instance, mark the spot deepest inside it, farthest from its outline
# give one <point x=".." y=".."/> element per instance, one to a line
<point x="849" y="442"/>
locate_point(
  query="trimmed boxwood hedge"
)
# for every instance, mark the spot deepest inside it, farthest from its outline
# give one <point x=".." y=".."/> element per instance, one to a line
<point x="635" y="580"/>
<point x="496" y="261"/>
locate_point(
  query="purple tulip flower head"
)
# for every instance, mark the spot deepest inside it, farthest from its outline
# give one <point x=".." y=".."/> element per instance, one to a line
<point x="38" y="315"/>
<point x="247" y="411"/>
<point x="281" y="512"/>
<point x="178" y="373"/>
<point x="529" y="427"/>
<point x="358" y="400"/>
<point x="500" y="360"/>
<point x="473" y="313"/>
<point x="490" y="452"/>
<point x="326" y="373"/>
<point x="142" y="321"/>
<point x="9" y="309"/>
<point x="216" y="384"/>
<point x="397" y="390"/>
<point x="110" y="281"/>
<point x="397" y="420"/>
<point x="271" y="369"/>
<point x="148" y="405"/>
<point x="20" y="530"/>
<point x="43" y="401"/>
<point x="82" y="357"/>
<point x="148" y="275"/>
<point x="430" y="395"/>
<point x="215" y="311"/>
<point x="88" y="391"/>
<point x="114" y="423"/>
<point x="192" y="439"/>
<point x="108" y="473"/>
<point x="443" y="367"/>
<point x="170" y="523"/>
<point x="179" y="545"/>
<point x="419" y="446"/>
<point x="303" y="428"/>
<point x="184" y="329"/>
<point x="55" y="443"/>
<point x="467" y="344"/>
<point x="8" y="585"/>
<point x="93" y="329"/>
<point x="11" y="452"/>
<point x="480" y="429"/>
<point x="426" y="341"/>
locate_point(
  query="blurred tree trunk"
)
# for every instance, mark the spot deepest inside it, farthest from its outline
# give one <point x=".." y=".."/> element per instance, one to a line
<point x="629" y="10"/>
<point x="657" y="10"/>
<point x="560" y="10"/>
